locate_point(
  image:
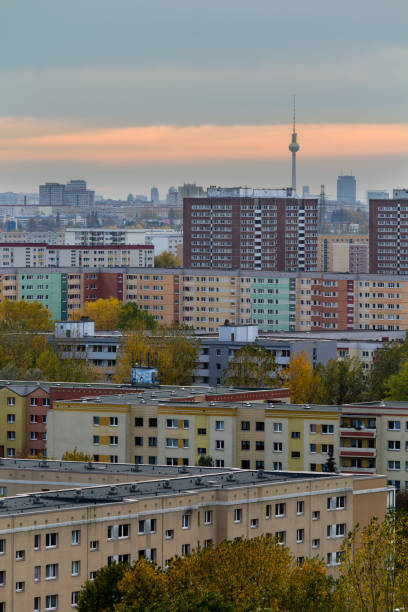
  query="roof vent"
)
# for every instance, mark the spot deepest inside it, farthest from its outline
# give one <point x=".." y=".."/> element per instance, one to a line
<point x="113" y="491"/>
<point x="166" y="484"/>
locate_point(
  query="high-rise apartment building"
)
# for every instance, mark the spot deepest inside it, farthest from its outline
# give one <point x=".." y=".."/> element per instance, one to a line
<point x="52" y="194"/>
<point x="250" y="229"/>
<point x="74" y="194"/>
<point x="346" y="189"/>
<point x="388" y="232"/>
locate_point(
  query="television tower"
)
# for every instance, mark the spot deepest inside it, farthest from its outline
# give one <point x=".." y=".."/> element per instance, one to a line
<point x="294" y="147"/>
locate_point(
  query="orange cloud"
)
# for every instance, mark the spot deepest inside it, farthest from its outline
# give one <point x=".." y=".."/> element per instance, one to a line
<point x="194" y="144"/>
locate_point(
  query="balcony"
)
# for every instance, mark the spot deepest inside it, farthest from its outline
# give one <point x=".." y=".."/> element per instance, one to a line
<point x="356" y="470"/>
<point x="357" y="432"/>
<point x="358" y="452"/>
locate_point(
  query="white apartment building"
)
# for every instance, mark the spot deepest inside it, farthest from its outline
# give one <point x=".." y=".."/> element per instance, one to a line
<point x="162" y="240"/>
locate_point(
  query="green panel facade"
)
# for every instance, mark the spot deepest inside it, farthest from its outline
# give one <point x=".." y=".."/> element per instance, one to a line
<point x="50" y="289"/>
<point x="273" y="303"/>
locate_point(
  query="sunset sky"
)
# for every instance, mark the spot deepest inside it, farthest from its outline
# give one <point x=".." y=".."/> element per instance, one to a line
<point x="133" y="93"/>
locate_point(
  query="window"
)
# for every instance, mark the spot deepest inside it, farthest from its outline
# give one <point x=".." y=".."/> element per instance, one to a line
<point x="96" y="421"/>
<point x="2" y="546"/>
<point x="394" y="445"/>
<point x="268" y="511"/>
<point x="139" y="441"/>
<point x="219" y="463"/>
<point x="259" y="445"/>
<point x="37" y="573"/>
<point x="11" y="452"/>
<point x="277" y="427"/>
<point x="296" y="435"/>
<point x="254" y="523"/>
<point x="96" y="439"/>
<point x="152" y="441"/>
<point x="316" y="543"/>
<point x="51" y="602"/>
<point x="201" y="431"/>
<point x="245" y="464"/>
<point x="113" y="440"/>
<point x="138" y="421"/>
<point x="11" y="401"/>
<point x="300" y="507"/>
<point x="295" y="455"/>
<point x="336" y="531"/>
<point x="394" y="425"/>
<point x="171" y="423"/>
<point x="245" y="445"/>
<point x="277" y="465"/>
<point x="75" y="568"/>
<point x="208" y="517"/>
<point x="185" y="521"/>
<point x="124" y="530"/>
<point x="237" y="515"/>
<point x="394" y="465"/>
<point x="152" y="422"/>
<point x="20" y="586"/>
<point x="260" y="426"/>
<point x="74" y="598"/>
<point x="280" y="509"/>
<point x="219" y="425"/>
<point x="336" y="503"/>
<point x="277" y="447"/>
<point x="171" y="442"/>
<point x="113" y="421"/>
<point x="186" y="424"/>
<point x="20" y="555"/>
<point x="245" y="425"/>
<point x="94" y="545"/>
<point x="208" y="543"/>
<point x="76" y="537"/>
<point x="185" y="549"/>
<point x="51" y="571"/>
<point x="300" y="561"/>
<point x="316" y="515"/>
<point x="281" y="537"/>
<point x="37" y="604"/>
<point x="327" y="429"/>
<point x="300" y="534"/>
<point x="169" y="534"/>
<point x="11" y="418"/>
<point x="219" y="445"/>
<point x="313" y="428"/>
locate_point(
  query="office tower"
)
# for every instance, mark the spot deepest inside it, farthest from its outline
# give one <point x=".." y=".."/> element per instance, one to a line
<point x="154" y="194"/>
<point x="52" y="194"/>
<point x="250" y="229"/>
<point x="388" y="234"/>
<point x="346" y="189"/>
<point x="305" y="191"/>
<point x="78" y="196"/>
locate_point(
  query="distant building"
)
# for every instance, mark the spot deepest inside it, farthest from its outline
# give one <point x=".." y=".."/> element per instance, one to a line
<point x="190" y="190"/>
<point x="333" y="251"/>
<point x="400" y="193"/>
<point x="73" y="194"/>
<point x="154" y="194"/>
<point x="346" y="189"/>
<point x="305" y="191"/>
<point x="162" y="240"/>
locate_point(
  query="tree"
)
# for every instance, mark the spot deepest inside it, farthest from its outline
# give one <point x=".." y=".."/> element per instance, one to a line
<point x="76" y="455"/>
<point x="374" y="573"/>
<point x="166" y="260"/>
<point x="387" y="361"/>
<point x="102" y="593"/>
<point x="252" y="366"/>
<point x="330" y="465"/>
<point x="130" y="316"/>
<point x="304" y="382"/>
<point x="105" y="313"/>
<point x="344" y="381"/>
<point x="175" y="349"/>
<point x="22" y="315"/>
<point x="396" y="386"/>
<point x="205" y="460"/>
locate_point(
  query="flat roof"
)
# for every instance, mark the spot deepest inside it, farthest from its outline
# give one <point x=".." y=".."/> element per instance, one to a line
<point x="188" y="481"/>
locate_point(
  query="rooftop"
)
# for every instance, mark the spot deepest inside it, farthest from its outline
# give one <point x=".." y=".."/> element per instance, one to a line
<point x="189" y="480"/>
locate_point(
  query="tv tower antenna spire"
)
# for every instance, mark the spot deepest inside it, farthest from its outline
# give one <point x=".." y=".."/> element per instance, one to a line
<point x="294" y="147"/>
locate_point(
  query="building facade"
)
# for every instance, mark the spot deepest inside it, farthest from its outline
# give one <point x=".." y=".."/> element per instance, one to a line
<point x="388" y="230"/>
<point x="250" y="229"/>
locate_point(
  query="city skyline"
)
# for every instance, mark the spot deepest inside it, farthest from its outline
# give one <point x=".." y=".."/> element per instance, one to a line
<point x="143" y="99"/>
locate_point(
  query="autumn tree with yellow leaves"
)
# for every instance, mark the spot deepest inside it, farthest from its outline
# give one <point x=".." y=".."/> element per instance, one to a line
<point x="174" y="348"/>
<point x="24" y="316"/>
<point x="304" y="382"/>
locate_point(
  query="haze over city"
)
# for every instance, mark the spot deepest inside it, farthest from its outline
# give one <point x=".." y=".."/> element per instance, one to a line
<point x="131" y="94"/>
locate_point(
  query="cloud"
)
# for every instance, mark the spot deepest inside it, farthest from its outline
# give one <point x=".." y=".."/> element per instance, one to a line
<point x="194" y="145"/>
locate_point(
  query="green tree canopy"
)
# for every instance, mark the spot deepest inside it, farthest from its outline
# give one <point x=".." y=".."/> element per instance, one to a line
<point x="252" y="366"/>
<point x="166" y="260"/>
<point x="132" y="317"/>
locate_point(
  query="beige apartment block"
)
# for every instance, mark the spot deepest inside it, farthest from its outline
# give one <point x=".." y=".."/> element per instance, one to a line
<point x="52" y="542"/>
<point x="331" y="258"/>
<point x="381" y="303"/>
<point x="162" y="431"/>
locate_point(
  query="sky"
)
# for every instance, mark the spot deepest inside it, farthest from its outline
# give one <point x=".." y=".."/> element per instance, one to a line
<point x="134" y="93"/>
